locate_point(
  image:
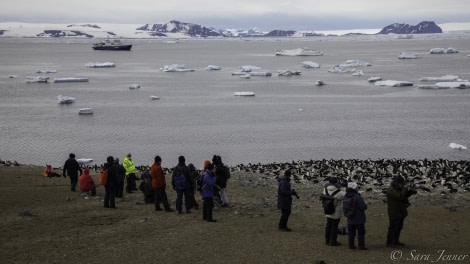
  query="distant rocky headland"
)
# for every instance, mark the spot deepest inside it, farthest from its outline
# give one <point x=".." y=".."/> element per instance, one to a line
<point x="177" y="29"/>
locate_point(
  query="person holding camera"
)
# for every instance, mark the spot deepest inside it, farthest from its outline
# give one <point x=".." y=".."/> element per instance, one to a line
<point x="284" y="200"/>
<point x="397" y="202"/>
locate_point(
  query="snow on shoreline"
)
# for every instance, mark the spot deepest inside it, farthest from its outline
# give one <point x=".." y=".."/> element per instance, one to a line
<point x="101" y="30"/>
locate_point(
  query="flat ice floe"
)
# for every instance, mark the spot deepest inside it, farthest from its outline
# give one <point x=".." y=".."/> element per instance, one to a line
<point x="70" y="79"/>
<point x="443" y="50"/>
<point x="244" y="94"/>
<point x="445" y="78"/>
<point x="100" y="65"/>
<point x="461" y="85"/>
<point x="175" y="68"/>
<point x="310" y="64"/>
<point x="457" y="146"/>
<point x="299" y="52"/>
<point x="213" y="68"/>
<point x="407" y="55"/>
<point x="393" y="83"/>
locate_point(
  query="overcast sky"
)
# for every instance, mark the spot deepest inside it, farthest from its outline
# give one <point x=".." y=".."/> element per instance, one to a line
<point x="242" y="14"/>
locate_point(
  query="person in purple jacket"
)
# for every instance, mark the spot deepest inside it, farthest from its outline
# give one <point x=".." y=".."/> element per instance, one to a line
<point x="354" y="209"/>
<point x="208" y="183"/>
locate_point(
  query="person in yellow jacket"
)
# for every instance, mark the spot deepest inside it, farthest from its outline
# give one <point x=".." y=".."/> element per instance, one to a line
<point x="129" y="165"/>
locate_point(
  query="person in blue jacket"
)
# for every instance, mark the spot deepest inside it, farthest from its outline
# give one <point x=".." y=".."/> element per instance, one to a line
<point x="208" y="183"/>
<point x="284" y="200"/>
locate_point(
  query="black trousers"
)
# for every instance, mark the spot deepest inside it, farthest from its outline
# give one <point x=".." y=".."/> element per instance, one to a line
<point x="131" y="185"/>
<point x="73" y="182"/>
<point x="109" y="196"/>
<point x="207" y="208"/>
<point x="331" y="230"/>
<point x="285" y="213"/>
<point x="160" y="197"/>
<point x="361" y="232"/>
<point x="179" y="200"/>
<point x="394" y="230"/>
<point x="120" y="190"/>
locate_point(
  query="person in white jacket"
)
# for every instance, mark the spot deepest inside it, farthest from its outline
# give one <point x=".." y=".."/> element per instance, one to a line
<point x="332" y="221"/>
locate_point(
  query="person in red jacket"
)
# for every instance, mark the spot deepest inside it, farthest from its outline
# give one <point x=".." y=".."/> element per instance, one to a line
<point x="86" y="183"/>
<point x="159" y="184"/>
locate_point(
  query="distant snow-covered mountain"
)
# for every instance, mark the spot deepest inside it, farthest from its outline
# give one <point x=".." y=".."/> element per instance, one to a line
<point x="177" y="29"/>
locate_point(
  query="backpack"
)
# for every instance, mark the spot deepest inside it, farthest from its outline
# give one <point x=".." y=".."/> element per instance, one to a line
<point x="349" y="206"/>
<point x="328" y="202"/>
<point x="226" y="171"/>
<point x="103" y="177"/>
<point x="180" y="181"/>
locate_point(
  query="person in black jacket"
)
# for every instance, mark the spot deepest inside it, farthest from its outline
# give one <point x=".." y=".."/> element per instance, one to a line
<point x="284" y="200"/>
<point x="223" y="174"/>
<point x="71" y="167"/>
<point x="111" y="183"/>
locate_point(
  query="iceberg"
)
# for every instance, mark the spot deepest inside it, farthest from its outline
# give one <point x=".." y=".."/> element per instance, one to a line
<point x="310" y="64"/>
<point x="460" y="85"/>
<point x="457" y="146"/>
<point x="443" y="50"/>
<point x="267" y="74"/>
<point x="358" y="73"/>
<point x="341" y="69"/>
<point x="37" y="79"/>
<point x="244" y="94"/>
<point x="63" y="99"/>
<point x="288" y="73"/>
<point x="407" y="55"/>
<point x="84" y="161"/>
<point x="393" y="83"/>
<point x="70" y="79"/>
<point x="355" y="63"/>
<point x="213" y="68"/>
<point x="100" y="65"/>
<point x="175" y="68"/>
<point x="445" y="78"/>
<point x="299" y="52"/>
<point x="249" y="68"/>
<point x="46" y="71"/>
<point x="134" y="86"/>
<point x="374" y="79"/>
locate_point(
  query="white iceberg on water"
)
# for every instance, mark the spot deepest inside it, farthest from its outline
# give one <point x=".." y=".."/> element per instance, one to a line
<point x="310" y="64"/>
<point x="407" y="55"/>
<point x="445" y="78"/>
<point x="175" y="68"/>
<point x="460" y="85"/>
<point x="213" y="68"/>
<point x="100" y="65"/>
<point x="299" y="52"/>
<point x="443" y="50"/>
<point x="393" y="83"/>
<point x="457" y="146"/>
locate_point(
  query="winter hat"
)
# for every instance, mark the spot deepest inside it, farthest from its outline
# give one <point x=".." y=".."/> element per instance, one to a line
<point x="191" y="167"/>
<point x="110" y="159"/>
<point x="87" y="171"/>
<point x="352" y="185"/>
<point x="181" y="159"/>
<point x="210" y="166"/>
<point x="206" y="163"/>
<point x="399" y="180"/>
<point x="71" y="155"/>
<point x="287" y="173"/>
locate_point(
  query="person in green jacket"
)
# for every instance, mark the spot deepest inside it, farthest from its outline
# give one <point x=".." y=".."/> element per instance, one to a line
<point x="129" y="165"/>
<point x="397" y="201"/>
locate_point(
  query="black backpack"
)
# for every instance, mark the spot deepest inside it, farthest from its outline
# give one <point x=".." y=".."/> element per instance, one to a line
<point x="328" y="202"/>
<point x="349" y="206"/>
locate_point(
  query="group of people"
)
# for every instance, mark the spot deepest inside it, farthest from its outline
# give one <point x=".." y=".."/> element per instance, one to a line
<point x="351" y="205"/>
<point x="212" y="181"/>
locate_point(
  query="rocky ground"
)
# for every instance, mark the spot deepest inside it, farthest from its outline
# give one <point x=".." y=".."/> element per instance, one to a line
<point x="44" y="222"/>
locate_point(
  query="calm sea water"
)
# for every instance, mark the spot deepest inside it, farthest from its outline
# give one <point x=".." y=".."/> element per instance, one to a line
<point x="197" y="115"/>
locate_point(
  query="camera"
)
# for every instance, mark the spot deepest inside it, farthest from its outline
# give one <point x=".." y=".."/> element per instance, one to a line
<point x="294" y="193"/>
